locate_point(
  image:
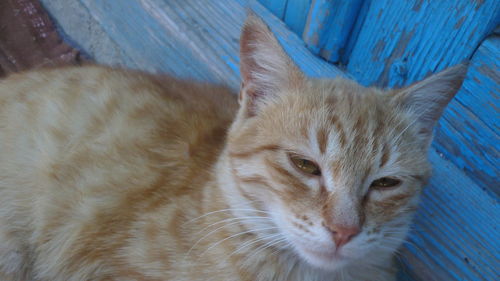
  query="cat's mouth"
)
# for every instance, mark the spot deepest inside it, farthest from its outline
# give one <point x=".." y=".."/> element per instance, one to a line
<point x="328" y="258"/>
<point x="332" y="254"/>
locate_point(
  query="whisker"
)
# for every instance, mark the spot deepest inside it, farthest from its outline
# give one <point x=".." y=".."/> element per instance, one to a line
<point x="403" y="241"/>
<point x="251" y="242"/>
<point x="415" y="246"/>
<point x="399" y="256"/>
<point x="414" y="121"/>
<point x="224" y="210"/>
<point x="267" y="245"/>
<point x="287" y="243"/>
<point x="379" y="270"/>
<point x="342" y="277"/>
<point x="233" y="219"/>
<point x="395" y="232"/>
<point x="210" y="233"/>
<point x="235" y="235"/>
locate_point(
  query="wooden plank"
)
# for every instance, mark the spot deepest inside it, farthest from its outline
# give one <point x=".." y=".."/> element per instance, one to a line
<point x="403" y="41"/>
<point x="146" y="41"/>
<point x="469" y="132"/>
<point x="194" y="39"/>
<point x="296" y="15"/>
<point x="455" y="234"/>
<point x="329" y="25"/>
<point x="277" y="7"/>
<point x="482" y="85"/>
<point x="355" y="31"/>
<point x="82" y="31"/>
<point x="316" y="22"/>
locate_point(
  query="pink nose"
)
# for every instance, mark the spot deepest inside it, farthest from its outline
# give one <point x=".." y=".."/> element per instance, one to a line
<point x="343" y="234"/>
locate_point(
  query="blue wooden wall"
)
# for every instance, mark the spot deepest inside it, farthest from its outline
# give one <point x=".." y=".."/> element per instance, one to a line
<point x="329" y="27"/>
<point x="292" y="12"/>
<point x="383" y="42"/>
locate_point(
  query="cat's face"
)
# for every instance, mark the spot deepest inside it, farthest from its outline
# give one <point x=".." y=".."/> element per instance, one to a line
<point x="338" y="167"/>
<point x="317" y="160"/>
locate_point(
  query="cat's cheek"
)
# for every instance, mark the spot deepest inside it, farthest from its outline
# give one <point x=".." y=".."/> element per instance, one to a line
<point x="390" y="213"/>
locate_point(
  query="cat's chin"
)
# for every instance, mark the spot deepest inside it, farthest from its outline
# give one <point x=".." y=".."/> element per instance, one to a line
<point x="326" y="259"/>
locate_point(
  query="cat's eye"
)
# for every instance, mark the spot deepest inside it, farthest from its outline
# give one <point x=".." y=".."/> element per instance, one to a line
<point x="385" y="183"/>
<point x="305" y="165"/>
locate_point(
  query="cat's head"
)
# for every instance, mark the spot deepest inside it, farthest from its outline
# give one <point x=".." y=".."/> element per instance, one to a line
<point x="337" y="166"/>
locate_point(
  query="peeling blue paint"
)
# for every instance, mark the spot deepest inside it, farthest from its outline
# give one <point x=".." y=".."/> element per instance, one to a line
<point x="329" y="25"/>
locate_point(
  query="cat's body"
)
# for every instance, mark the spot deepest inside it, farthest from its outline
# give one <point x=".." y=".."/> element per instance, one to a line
<point x="116" y="175"/>
<point x="111" y="183"/>
<point x="88" y="167"/>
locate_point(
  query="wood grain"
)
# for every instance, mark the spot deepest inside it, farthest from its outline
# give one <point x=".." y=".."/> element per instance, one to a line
<point x="296" y="15"/>
<point x="468" y="134"/>
<point x="403" y="41"/>
<point x="148" y="42"/>
<point x="193" y="39"/>
<point x="329" y="26"/>
<point x="455" y="235"/>
<point x="277" y="7"/>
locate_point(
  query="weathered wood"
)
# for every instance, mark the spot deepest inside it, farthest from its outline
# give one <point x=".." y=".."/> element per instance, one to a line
<point x="277" y="7"/>
<point x="296" y="15"/>
<point x="355" y="31"/>
<point x="329" y="25"/>
<point x="469" y="132"/>
<point x="292" y="12"/>
<point x="455" y="235"/>
<point x="192" y="38"/>
<point x="403" y="41"/>
<point x="148" y="42"/>
<point x="316" y="24"/>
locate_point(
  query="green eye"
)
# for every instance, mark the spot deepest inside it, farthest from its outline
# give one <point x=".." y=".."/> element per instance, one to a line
<point x="384" y="183"/>
<point x="305" y="166"/>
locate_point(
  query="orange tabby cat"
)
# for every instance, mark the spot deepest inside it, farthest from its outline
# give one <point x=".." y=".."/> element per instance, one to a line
<point x="118" y="175"/>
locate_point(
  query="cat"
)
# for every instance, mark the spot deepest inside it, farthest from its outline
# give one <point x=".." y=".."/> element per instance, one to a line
<point x="109" y="174"/>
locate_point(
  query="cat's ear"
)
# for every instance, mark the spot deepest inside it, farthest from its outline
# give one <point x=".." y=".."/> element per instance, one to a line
<point x="427" y="99"/>
<point x="265" y="68"/>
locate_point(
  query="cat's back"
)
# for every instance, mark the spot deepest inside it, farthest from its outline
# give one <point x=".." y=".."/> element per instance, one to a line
<point x="71" y="116"/>
<point x="92" y="145"/>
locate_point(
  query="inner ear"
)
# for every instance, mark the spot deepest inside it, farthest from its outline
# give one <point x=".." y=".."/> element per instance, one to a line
<point x="264" y="66"/>
<point x="427" y="99"/>
<point x="251" y="99"/>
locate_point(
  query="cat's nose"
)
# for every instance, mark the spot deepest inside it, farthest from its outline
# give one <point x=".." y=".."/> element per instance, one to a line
<point x="343" y="234"/>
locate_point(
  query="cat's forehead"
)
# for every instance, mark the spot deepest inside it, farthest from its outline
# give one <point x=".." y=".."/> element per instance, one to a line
<point x="336" y="120"/>
<point x="344" y="96"/>
<point x="336" y="106"/>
